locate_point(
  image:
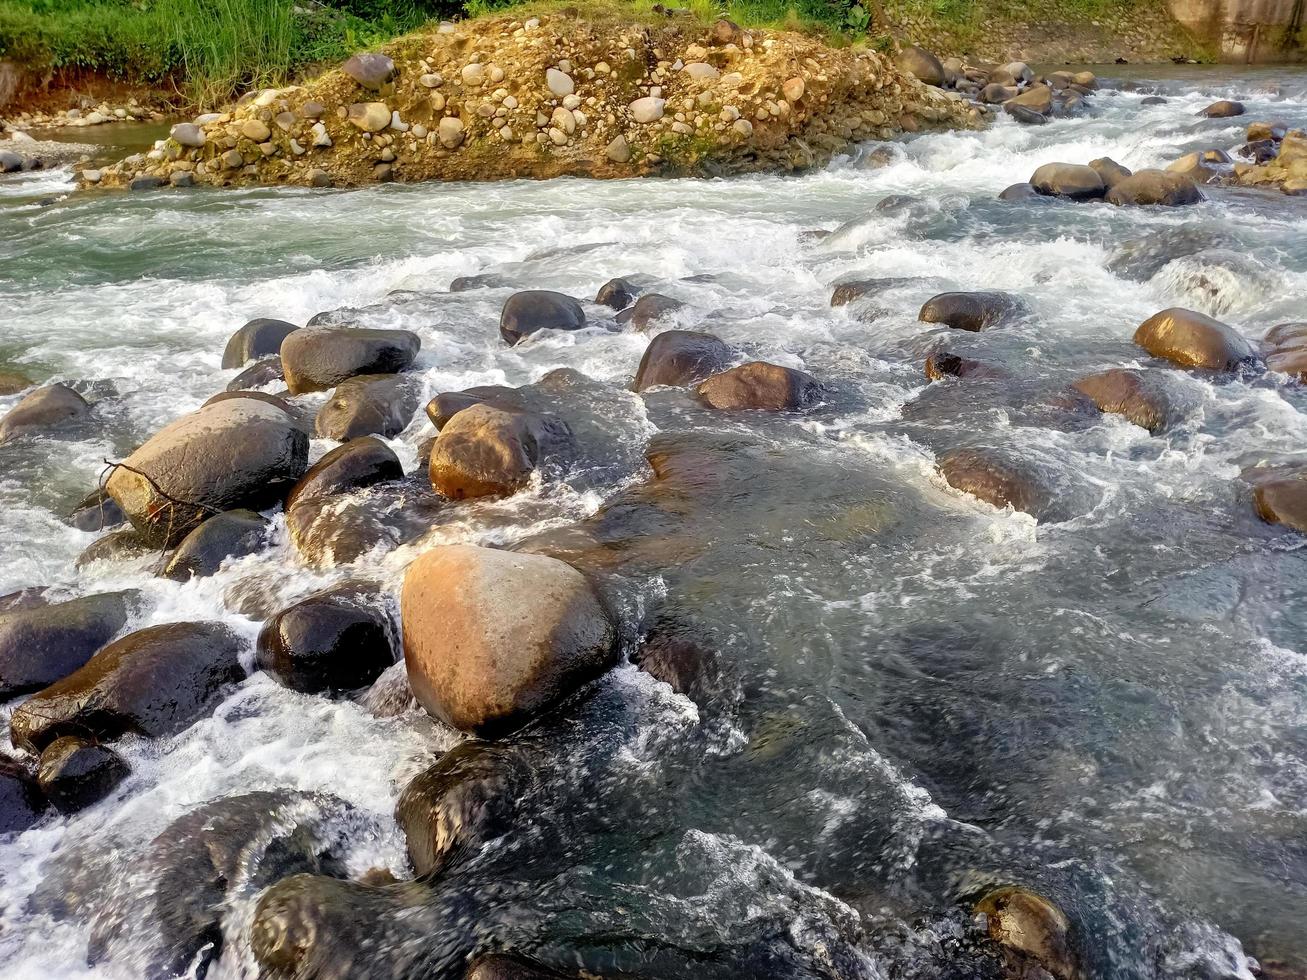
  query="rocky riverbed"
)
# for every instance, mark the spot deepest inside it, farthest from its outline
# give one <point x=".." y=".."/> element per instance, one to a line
<point x="885" y="571"/>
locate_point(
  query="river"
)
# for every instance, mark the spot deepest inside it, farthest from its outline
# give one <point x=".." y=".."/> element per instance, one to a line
<point x="921" y="695"/>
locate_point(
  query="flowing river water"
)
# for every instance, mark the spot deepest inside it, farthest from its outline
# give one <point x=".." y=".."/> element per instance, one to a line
<point x="918" y="696"/>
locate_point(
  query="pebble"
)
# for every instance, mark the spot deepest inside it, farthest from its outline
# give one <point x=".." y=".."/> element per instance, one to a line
<point x="619" y="151"/>
<point x="450" y="132"/>
<point x="256" y="130"/>
<point x="474" y="75"/>
<point x="431" y="80"/>
<point x="647" y="110"/>
<point x="559" y="83"/>
<point x="396" y="123"/>
<point x="320" y="137"/>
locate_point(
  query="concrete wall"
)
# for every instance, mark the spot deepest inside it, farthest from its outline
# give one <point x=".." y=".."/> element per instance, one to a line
<point x="1247" y="31"/>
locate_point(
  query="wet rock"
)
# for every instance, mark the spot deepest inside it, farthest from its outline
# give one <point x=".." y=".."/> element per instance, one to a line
<point x="488" y="451"/>
<point x="297" y="416"/>
<point x="370" y="404"/>
<point x="996" y="93"/>
<point x="1025" y="191"/>
<point x="921" y="65"/>
<point x="258" y="338"/>
<point x="942" y="364"/>
<point x="358" y="463"/>
<point x="1287" y="334"/>
<point x="319" y="358"/>
<point x="760" y="385"/>
<point x="145" y="182"/>
<point x="511" y="968"/>
<point x="1142" y="258"/>
<point x="682" y="657"/>
<point x="1024" y="114"/>
<point x="1202" y="166"/>
<point x="45" y="411"/>
<point x="75" y="773"/>
<point x="648" y="310"/>
<point x="231" y="534"/>
<point x="258" y="375"/>
<point x="467" y="799"/>
<point x="1155" y="187"/>
<point x="1152" y="399"/>
<point x="447" y="404"/>
<point x="372" y="71"/>
<point x="1280" y="495"/>
<point x="617" y="294"/>
<point x="1195" y="340"/>
<point x="153" y="682"/>
<point x="96" y="513"/>
<point x="681" y="358"/>
<point x="1037" y="98"/>
<point x="336" y="640"/>
<point x="1109" y="171"/>
<point x="1068" y="180"/>
<point x="1003" y="479"/>
<point x="238" y="453"/>
<point x="973" y="311"/>
<point x="41" y="645"/>
<point x="492" y="639"/>
<point x="538" y="309"/>
<point x="1224" y="109"/>
<point x="1032" y="927"/>
<point x="12" y="382"/>
<point x="21" y="802"/>
<point x="115" y="546"/>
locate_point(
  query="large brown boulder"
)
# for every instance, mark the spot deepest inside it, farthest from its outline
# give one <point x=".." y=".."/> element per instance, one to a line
<point x="358" y="463"/>
<point x="680" y="358"/>
<point x="1109" y="171"/>
<point x="335" y="640"/>
<point x="1286" y="334"/>
<point x="761" y="385"/>
<point x="1224" y="109"/>
<point x="1280" y="495"/>
<point x="1154" y="400"/>
<point x="921" y="65"/>
<point x="447" y="404"/>
<point x="46" y="410"/>
<point x="492" y="638"/>
<point x="648" y="310"/>
<point x="321" y="529"/>
<point x="488" y="451"/>
<point x="46" y="643"/>
<point x="1068" y="180"/>
<point x="260" y="337"/>
<point x="1037" y="98"/>
<point x="228" y="455"/>
<point x="318" y="358"/>
<point x="1154" y="187"/>
<point x="974" y="311"/>
<point x="153" y="682"/>
<point x="538" y="309"/>
<point x="1193" y="339"/>
<point x="1003" y="479"/>
<point x="370" y="404"/>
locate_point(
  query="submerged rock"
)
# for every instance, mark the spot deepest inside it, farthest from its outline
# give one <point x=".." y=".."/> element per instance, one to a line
<point x="336" y="640"/>
<point x="1154" y="400"/>
<point x="46" y="411"/>
<point x="486" y="451"/>
<point x="943" y="364"/>
<point x="358" y="463"/>
<point x="759" y="385"/>
<point x="527" y="312"/>
<point x="41" y="645"/>
<point x="1280" y="495"/>
<point x="257" y="375"/>
<point x="617" y="294"/>
<point x="648" y="310"/>
<point x="973" y="311"/>
<point x="1030" y="926"/>
<point x="1005" y="479"/>
<point x="1195" y="340"/>
<point x="97" y="512"/>
<point x="231" y="534"/>
<point x="318" y="358"/>
<point x="681" y="358"/>
<point x="260" y="337"/>
<point x="1155" y="187"/>
<point x="493" y="638"/>
<point x="370" y="404"/>
<point x="76" y="773"/>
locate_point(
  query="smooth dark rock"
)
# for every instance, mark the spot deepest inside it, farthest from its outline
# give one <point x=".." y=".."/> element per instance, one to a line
<point x="1109" y="171"/>
<point x="1152" y="399"/>
<point x="97" y="512"/>
<point x="231" y="534"/>
<point x="21" y="802"/>
<point x="648" y="310"/>
<point x="943" y="364"/>
<point x="116" y="545"/>
<point x="617" y="294"/>
<point x="1072" y="180"/>
<point x="358" y="463"/>
<point x="681" y="358"/>
<point x="336" y="640"/>
<point x="1025" y="191"/>
<point x="372" y="71"/>
<point x="1192" y="339"/>
<point x="318" y="358"/>
<point x="370" y="404"/>
<point x="760" y="385"/>
<point x="260" y="337"/>
<point x="75" y="773"/>
<point x="45" y="411"/>
<point x="1003" y="479"/>
<point x="972" y="311"/>
<point x="44" y="644"/>
<point x="261" y="373"/>
<point x="538" y="309"/>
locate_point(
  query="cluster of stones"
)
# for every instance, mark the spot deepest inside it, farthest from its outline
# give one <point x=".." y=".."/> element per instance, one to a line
<point x="549" y="96"/>
<point x="1278" y="158"/>
<point x="87" y="113"/>
<point x="1104" y="179"/>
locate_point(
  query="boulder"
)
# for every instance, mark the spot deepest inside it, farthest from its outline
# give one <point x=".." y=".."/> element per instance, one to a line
<point x="97" y="512"/>
<point x="996" y="93"/>
<point x="467" y="799"/>
<point x="1280" y="495"/>
<point x="258" y="338"/>
<point x="239" y="453"/>
<point x="371" y="117"/>
<point x="1031" y="927"/>
<point x="1002" y="479"/>
<point x="648" y="309"/>
<point x="1152" y="399"/>
<point x="1013" y="73"/>
<point x="335" y="641"/>
<point x="75" y="773"/>
<point x="1195" y="340"/>
<point x="319" y="358"/>
<point x="1291" y="334"/>
<point x="1224" y="109"/>
<point x="760" y="385"/>
<point x="1024" y="114"/>
<point x="370" y="404"/>
<point x="12" y="382"/>
<point x="231" y="534"/>
<point x="1109" y="171"/>
<point x="1037" y="98"/>
<point x="44" y="644"/>
<point x="1024" y="191"/>
<point x="124" y="544"/>
<point x="1202" y="166"/>
<point x="372" y="71"/>
<point x="500" y="967"/>
<point x="617" y="294"/>
<point x="1159" y="187"/>
<point x="942" y="364"/>
<point x="358" y="463"/>
<point x="538" y="309"/>
<point x="262" y="372"/>
<point x="447" y="404"/>
<point x="21" y="802"/>
<point x="1068" y="180"/>
<point x="45" y="411"/>
<point x="492" y="639"/>
<point x="486" y="450"/>
<point x="154" y="682"/>
<point x="1291" y="361"/>
<point x="680" y="358"/>
<point x="1265" y="131"/>
<point x="973" y="311"/>
<point x="297" y="416"/>
<point x="921" y="65"/>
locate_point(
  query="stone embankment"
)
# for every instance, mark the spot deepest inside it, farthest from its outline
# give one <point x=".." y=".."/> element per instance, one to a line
<point x="549" y="96"/>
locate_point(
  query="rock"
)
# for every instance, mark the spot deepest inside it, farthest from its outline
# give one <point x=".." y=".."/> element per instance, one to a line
<point x="41" y="645"/>
<point x="358" y="463"/>
<point x="996" y="92"/>
<point x="181" y="178"/>
<point x="942" y="364"/>
<point x="701" y="70"/>
<point x="760" y="385"/>
<point x="726" y="32"/>
<point x="154" y="682"/>
<point x="1037" y="98"/>
<point x="487" y="451"/>
<point x="447" y="404"/>
<point x="372" y="71"/>
<point x="238" y="453"/>
<point x="619" y="151"/>
<point x="370" y="404"/>
<point x="493" y="639"/>
<point x="371" y="117"/>
<point x="1109" y="171"/>
<point x="12" y="382"/>
<point x="1223" y="109"/>
<point x="260" y="337"/>
<point x="681" y="358"/>
<point x="1031" y="926"/>
<point x="1153" y="100"/>
<point x="648" y="309"/>
<point x="1195" y="340"/>
<point x="1068" y="180"/>
<point x="259" y="374"/>
<point x="1013" y="73"/>
<point x="973" y="311"/>
<point x="538" y="309"/>
<point x="1155" y="187"/>
<point x="1025" y="191"/>
<point x="96" y="513"/>
<point x="1002" y="479"/>
<point x="559" y="83"/>
<point x="256" y="130"/>
<point x="295" y="414"/>
<point x="1024" y="114"/>
<point x="1151" y="399"/>
<point x="336" y="640"/>
<point x="647" y="110"/>
<point x="125" y="544"/>
<point x="794" y="89"/>
<point x="145" y="183"/>
<point x="456" y="807"/>
<point x="318" y="358"/>
<point x="21" y="803"/>
<point x="617" y="294"/>
<point x="921" y="65"/>
<point x="1202" y="167"/>
<point x="47" y="410"/>
<point x="499" y="967"/>
<point x="76" y="773"/>
<point x="188" y="135"/>
<point x="450" y="132"/>
<point x="855" y="289"/>
<point x="1280" y="495"/>
<point x="232" y="534"/>
<point x="10" y="162"/>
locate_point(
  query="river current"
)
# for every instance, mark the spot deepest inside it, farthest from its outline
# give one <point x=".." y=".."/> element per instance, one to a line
<point x="920" y="695"/>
